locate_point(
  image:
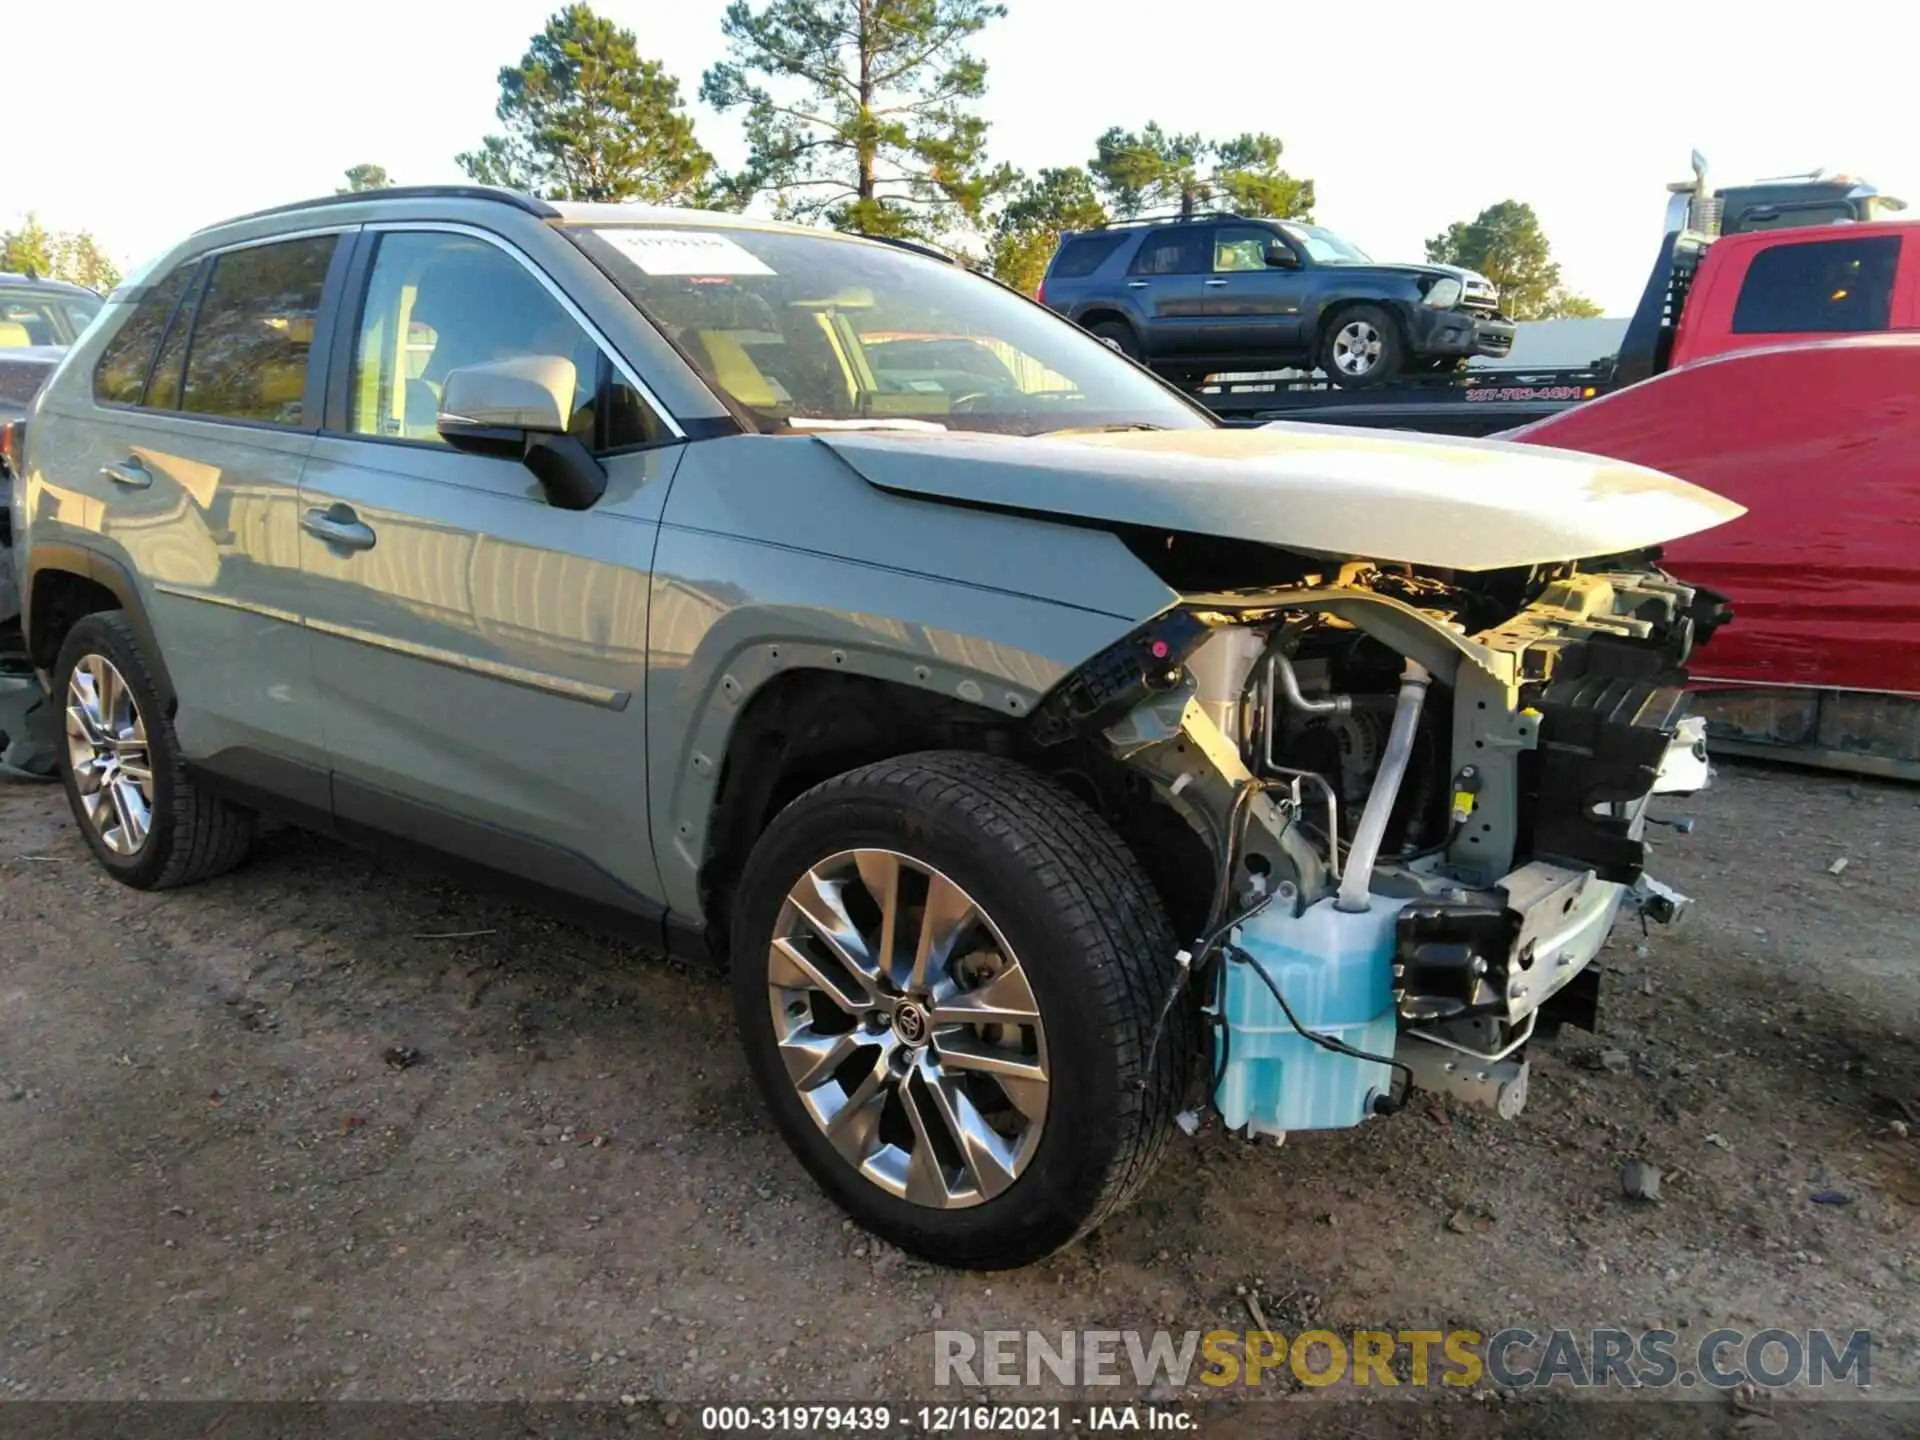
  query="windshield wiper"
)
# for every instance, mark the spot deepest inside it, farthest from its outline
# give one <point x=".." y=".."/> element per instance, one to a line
<point x="1103" y="429"/>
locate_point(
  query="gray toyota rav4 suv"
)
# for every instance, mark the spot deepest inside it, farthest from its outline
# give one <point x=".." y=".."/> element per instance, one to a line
<point x="1045" y="761"/>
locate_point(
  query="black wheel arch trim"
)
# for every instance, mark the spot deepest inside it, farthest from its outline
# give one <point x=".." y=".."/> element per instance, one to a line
<point x="110" y="575"/>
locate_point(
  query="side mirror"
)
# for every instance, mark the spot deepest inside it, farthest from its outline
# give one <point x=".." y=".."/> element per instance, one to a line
<point x="1279" y="257"/>
<point x="520" y="408"/>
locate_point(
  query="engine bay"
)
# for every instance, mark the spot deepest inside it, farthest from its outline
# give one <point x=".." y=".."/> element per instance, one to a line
<point x="1426" y="793"/>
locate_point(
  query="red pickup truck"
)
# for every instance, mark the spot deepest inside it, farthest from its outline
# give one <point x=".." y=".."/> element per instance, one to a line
<point x="1788" y="386"/>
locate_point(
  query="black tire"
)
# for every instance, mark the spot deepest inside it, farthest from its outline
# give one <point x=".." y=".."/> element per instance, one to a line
<point x="192" y="835"/>
<point x="1065" y="891"/>
<point x="1119" y="335"/>
<point x="1388" y="361"/>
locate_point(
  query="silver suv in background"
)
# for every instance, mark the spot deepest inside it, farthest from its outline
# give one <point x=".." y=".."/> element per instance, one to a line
<point x="1041" y="758"/>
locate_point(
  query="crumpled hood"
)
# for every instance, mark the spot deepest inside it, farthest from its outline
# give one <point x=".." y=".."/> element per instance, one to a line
<point x="1434" y="500"/>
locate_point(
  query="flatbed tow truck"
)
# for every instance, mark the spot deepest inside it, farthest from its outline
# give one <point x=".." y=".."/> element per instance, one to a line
<point x="1489" y="401"/>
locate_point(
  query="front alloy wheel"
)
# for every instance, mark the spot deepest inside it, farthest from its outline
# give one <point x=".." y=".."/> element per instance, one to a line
<point x="1362" y="346"/>
<point x="947" y="971"/>
<point x="908" y="1028"/>
<point x="1356" y="349"/>
<point x="107" y="753"/>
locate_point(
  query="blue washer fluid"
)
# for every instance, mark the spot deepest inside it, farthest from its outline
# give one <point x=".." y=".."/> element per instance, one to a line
<point x="1336" y="970"/>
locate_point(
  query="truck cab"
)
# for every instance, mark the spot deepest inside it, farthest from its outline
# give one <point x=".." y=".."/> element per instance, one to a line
<point x="1773" y="287"/>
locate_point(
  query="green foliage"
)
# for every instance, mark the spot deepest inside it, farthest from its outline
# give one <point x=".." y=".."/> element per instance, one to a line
<point x="1028" y="228"/>
<point x="70" y="255"/>
<point x="1505" y="243"/>
<point x="365" y="177"/>
<point x="859" y="112"/>
<point x="587" y="119"/>
<point x="1152" y="169"/>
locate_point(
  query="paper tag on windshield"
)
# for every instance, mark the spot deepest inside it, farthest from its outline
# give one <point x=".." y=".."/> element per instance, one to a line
<point x="683" y="252"/>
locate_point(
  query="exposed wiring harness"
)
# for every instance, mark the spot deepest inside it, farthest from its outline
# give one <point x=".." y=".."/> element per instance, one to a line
<point x="1194" y="958"/>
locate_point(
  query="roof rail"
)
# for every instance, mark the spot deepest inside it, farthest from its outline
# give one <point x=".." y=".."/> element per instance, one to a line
<point x="404" y="192"/>
<point x="1174" y="217"/>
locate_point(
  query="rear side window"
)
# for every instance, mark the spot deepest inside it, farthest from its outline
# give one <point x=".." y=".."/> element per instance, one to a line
<point x="1819" y="287"/>
<point x="247" y="359"/>
<point x="1173" y="252"/>
<point x="121" y="376"/>
<point x="1084" y="254"/>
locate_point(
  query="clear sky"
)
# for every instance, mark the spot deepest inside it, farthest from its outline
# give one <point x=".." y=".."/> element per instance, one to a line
<point x="141" y="120"/>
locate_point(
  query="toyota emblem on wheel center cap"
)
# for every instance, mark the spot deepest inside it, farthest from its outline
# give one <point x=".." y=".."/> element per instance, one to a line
<point x="910" y="1024"/>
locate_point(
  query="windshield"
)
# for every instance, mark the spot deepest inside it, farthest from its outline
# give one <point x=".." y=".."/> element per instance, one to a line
<point x="43" y="317"/>
<point x="1327" y="248"/>
<point x="810" y="332"/>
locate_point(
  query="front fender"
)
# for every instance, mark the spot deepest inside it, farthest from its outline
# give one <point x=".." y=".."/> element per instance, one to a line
<point x="776" y="555"/>
<point x="999" y="652"/>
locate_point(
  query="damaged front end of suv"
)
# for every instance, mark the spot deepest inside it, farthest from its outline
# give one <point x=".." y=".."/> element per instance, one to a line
<point x="1427" y="797"/>
<point x="1415" y="698"/>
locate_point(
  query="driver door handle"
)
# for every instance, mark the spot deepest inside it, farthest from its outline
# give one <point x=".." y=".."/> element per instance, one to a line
<point x="1212" y="283"/>
<point x="131" y="472"/>
<point x="338" y="525"/>
<point x="1136" y="284"/>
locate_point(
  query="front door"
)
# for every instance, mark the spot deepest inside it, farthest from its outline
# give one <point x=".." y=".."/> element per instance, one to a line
<point x="1252" y="307"/>
<point x="480" y="654"/>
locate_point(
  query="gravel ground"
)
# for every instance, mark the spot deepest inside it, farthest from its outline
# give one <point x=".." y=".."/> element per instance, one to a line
<point x="328" y="1128"/>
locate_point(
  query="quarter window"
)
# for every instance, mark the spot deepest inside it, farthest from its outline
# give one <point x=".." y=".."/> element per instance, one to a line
<point x="1083" y="254"/>
<point x="247" y="359"/>
<point x="1819" y="287"/>
<point x="1172" y="252"/>
<point x="121" y="377"/>
<point x="437" y="302"/>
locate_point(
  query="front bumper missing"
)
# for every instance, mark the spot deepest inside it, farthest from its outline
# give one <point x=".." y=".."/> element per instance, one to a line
<point x="1469" y="1001"/>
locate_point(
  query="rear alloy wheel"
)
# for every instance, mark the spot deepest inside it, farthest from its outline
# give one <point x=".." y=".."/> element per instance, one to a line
<point x="1119" y="335"/>
<point x="1362" y="347"/>
<point x="107" y="754"/>
<point x="946" y="971"/>
<point x="147" y="821"/>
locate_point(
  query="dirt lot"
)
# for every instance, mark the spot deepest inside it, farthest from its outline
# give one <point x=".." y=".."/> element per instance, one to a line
<point x="304" y="1133"/>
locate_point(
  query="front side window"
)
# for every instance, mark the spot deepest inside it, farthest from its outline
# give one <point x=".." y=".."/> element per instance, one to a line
<point x="1819" y="287"/>
<point x="247" y="359"/>
<point x="436" y="302"/>
<point x="813" y="331"/>
<point x="1240" y="247"/>
<point x="121" y="377"/>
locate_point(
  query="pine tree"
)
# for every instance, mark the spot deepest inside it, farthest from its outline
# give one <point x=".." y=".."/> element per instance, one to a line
<point x="859" y="112"/>
<point x="586" y="118"/>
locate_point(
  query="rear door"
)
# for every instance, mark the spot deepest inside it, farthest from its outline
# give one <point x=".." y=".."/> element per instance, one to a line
<point x="204" y="410"/>
<point x="481" y="654"/>
<point x="1168" y="282"/>
<point x="1252" y="306"/>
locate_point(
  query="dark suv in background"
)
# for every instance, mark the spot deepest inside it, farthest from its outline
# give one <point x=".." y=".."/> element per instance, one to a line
<point x="1222" y="293"/>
